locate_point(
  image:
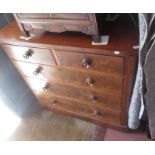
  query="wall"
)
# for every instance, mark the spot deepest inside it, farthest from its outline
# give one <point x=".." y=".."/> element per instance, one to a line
<point x="13" y="90"/>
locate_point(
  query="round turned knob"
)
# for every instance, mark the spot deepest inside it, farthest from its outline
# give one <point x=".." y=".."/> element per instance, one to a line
<point x="92" y="98"/>
<point x="46" y="87"/>
<point x="89" y="81"/>
<point x="28" y="54"/>
<point x="53" y="101"/>
<point x="85" y="63"/>
<point x="37" y="71"/>
<point x="95" y="112"/>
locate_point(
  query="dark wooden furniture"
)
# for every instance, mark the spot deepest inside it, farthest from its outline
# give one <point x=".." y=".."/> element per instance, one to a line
<point x="60" y="22"/>
<point x="69" y="75"/>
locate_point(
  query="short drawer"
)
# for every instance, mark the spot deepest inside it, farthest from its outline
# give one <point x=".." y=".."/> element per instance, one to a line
<point x="28" y="54"/>
<point x="91" y="62"/>
<point x="82" y="95"/>
<point x="53" y="15"/>
<point x="52" y="102"/>
<point x="112" y="85"/>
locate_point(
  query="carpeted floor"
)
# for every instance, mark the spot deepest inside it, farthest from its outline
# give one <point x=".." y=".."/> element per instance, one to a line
<point x="50" y="126"/>
<point x="107" y="134"/>
<point x="45" y="125"/>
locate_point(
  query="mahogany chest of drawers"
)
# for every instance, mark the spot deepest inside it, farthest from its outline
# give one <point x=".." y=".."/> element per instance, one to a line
<point x="69" y="75"/>
<point x="61" y="22"/>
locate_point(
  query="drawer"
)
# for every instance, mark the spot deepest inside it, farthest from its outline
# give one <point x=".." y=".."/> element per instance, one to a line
<point x="53" y="15"/>
<point x="82" y="95"/>
<point x="112" y="85"/>
<point x="27" y="54"/>
<point x="91" y="62"/>
<point x="52" y="102"/>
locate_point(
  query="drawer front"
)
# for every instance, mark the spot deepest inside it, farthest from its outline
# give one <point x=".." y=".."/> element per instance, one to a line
<point x="112" y="85"/>
<point x="53" y="15"/>
<point x="27" y="54"/>
<point x="82" y="95"/>
<point x="91" y="62"/>
<point x="52" y="102"/>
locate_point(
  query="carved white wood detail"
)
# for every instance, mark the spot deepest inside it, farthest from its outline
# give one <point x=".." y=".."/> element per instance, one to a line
<point x="53" y="28"/>
<point x="86" y="29"/>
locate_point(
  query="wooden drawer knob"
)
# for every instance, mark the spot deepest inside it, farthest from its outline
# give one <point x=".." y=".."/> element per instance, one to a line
<point x="89" y="81"/>
<point x="28" y="54"/>
<point x="95" y="112"/>
<point x="53" y="101"/>
<point x="46" y="87"/>
<point x="38" y="71"/>
<point x="85" y="63"/>
<point x="92" y="98"/>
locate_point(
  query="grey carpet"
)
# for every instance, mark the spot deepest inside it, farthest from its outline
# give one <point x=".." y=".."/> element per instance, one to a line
<point x="51" y="126"/>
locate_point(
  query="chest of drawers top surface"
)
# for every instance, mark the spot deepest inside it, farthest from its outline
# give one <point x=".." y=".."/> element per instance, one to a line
<point x="120" y="38"/>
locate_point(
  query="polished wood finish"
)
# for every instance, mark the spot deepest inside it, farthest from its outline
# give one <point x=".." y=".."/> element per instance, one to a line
<point x="56" y="102"/>
<point x="28" y="54"/>
<point x="97" y="63"/>
<point x="76" y="93"/>
<point x="75" y="41"/>
<point x="128" y="82"/>
<point x="99" y="82"/>
<point x="69" y="75"/>
<point x="59" y="22"/>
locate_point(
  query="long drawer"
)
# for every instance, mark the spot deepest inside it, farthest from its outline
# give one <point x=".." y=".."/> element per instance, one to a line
<point x="53" y="15"/>
<point x="91" y="62"/>
<point x="82" y="95"/>
<point x="112" y="85"/>
<point x="53" y="102"/>
<point x="27" y="54"/>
